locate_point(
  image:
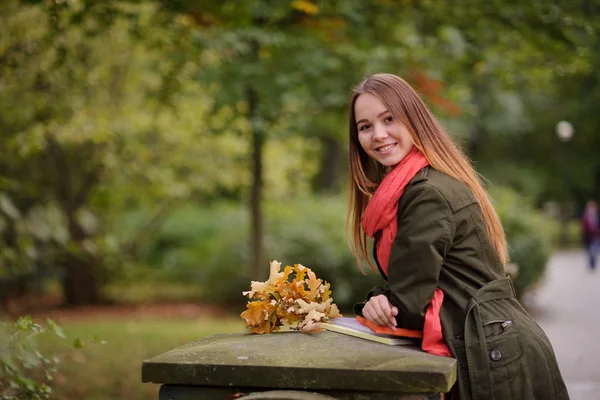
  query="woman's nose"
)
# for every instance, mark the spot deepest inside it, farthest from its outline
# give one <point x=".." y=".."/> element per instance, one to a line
<point x="379" y="132"/>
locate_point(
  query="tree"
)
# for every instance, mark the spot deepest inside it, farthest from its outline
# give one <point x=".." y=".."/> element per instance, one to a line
<point x="266" y="55"/>
<point x="95" y="119"/>
<point x="269" y="55"/>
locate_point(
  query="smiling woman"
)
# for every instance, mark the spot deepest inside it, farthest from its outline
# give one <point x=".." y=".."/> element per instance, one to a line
<point x="441" y="248"/>
<point x="383" y="138"/>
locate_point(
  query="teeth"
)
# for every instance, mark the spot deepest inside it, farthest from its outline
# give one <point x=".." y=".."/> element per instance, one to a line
<point x="384" y="148"/>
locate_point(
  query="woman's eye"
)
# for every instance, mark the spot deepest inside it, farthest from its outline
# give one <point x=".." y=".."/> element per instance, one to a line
<point x="388" y="119"/>
<point x="363" y="127"/>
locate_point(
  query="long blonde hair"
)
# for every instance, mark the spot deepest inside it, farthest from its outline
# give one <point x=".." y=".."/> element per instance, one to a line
<point x="430" y="138"/>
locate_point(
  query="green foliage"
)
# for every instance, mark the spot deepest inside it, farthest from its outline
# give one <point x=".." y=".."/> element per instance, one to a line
<point x="124" y="105"/>
<point x="26" y="241"/>
<point x="521" y="178"/>
<point x="528" y="234"/>
<point x="311" y="231"/>
<point x="210" y="246"/>
<point x="94" y="119"/>
<point x="25" y="373"/>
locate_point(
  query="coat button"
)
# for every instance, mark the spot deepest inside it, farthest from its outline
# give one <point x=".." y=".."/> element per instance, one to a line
<point x="495" y="355"/>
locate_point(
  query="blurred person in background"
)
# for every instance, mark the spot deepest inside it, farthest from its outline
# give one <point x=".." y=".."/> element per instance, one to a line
<point x="440" y="246"/>
<point x="591" y="231"/>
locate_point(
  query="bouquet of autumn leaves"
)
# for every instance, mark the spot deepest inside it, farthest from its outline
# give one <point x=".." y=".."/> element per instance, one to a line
<point x="293" y="297"/>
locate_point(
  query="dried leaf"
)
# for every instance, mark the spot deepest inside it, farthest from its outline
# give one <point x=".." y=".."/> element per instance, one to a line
<point x="334" y="312"/>
<point x="300" y="271"/>
<point x="325" y="291"/>
<point x="275" y="275"/>
<point x="313" y="285"/>
<point x="306" y="308"/>
<point x="302" y="301"/>
<point x="312" y="320"/>
<point x="255" y="314"/>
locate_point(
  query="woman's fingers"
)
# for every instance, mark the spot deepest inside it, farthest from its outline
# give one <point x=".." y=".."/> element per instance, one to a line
<point x="379" y="316"/>
<point x="386" y="313"/>
<point x="382" y="307"/>
<point x="379" y="310"/>
<point x="370" y="314"/>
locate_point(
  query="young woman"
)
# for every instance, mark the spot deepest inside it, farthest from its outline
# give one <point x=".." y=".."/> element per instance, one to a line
<point x="441" y="248"/>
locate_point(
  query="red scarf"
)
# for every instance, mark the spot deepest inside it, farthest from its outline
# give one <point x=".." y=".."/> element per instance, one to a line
<point x="381" y="215"/>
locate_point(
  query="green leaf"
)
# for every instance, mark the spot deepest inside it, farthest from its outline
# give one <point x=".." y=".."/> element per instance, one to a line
<point x="24" y="323"/>
<point x="8" y="207"/>
<point x="56" y="328"/>
<point x="78" y="344"/>
<point x="96" y="339"/>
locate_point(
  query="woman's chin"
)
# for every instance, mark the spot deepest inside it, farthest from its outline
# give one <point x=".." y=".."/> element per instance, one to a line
<point x="391" y="160"/>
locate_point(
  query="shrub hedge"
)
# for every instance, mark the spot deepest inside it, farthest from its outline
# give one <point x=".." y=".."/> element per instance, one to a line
<point x="529" y="236"/>
<point x="210" y="246"/>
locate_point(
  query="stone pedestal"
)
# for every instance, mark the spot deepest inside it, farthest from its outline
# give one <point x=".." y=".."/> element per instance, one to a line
<point x="292" y="364"/>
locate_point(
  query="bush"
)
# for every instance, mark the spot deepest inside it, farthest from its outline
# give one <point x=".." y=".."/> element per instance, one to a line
<point x="25" y="373"/>
<point x="529" y="237"/>
<point x="312" y="232"/>
<point x="211" y="246"/>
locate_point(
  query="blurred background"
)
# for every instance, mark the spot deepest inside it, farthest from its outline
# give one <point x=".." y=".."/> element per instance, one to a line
<point x="155" y="155"/>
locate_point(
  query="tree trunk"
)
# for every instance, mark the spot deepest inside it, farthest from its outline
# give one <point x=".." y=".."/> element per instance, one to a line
<point x="80" y="284"/>
<point x="257" y="267"/>
<point x="328" y="178"/>
<point x="256" y="212"/>
<point x="80" y="279"/>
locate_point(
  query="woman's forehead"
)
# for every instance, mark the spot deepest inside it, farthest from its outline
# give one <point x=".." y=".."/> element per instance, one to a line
<point x="368" y="105"/>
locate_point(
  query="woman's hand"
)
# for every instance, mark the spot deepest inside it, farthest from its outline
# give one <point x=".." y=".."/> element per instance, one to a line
<point x="379" y="310"/>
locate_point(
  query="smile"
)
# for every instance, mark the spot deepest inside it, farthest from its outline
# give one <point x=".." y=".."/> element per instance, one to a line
<point x="385" y="148"/>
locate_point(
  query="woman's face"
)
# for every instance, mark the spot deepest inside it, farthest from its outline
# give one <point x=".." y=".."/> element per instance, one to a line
<point x="383" y="138"/>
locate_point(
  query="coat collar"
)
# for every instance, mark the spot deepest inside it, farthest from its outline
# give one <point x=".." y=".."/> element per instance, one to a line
<point x="420" y="176"/>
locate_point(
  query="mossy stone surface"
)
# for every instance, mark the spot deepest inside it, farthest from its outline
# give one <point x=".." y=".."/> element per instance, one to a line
<point x="294" y="360"/>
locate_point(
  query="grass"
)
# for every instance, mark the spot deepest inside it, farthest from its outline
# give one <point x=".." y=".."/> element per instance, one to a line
<point x="147" y="291"/>
<point x="113" y="370"/>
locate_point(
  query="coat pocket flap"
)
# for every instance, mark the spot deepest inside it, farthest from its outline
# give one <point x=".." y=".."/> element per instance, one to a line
<point x="501" y="350"/>
<point x="504" y="349"/>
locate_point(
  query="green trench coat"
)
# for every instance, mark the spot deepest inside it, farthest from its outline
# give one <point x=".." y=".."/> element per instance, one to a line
<point x="442" y="242"/>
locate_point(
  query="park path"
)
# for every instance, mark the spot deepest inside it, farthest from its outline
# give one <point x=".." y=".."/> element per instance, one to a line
<point x="567" y="306"/>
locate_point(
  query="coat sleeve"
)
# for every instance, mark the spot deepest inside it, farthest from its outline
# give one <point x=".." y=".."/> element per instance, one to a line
<point x="376" y="291"/>
<point x="425" y="232"/>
